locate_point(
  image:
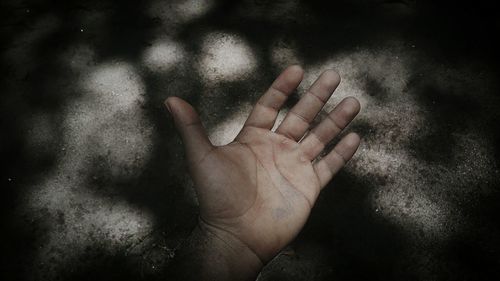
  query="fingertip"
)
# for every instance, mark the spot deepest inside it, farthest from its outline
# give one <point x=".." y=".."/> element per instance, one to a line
<point x="295" y="68"/>
<point x="174" y="103"/>
<point x="333" y="77"/>
<point x="168" y="104"/>
<point x="173" y="99"/>
<point x="352" y="140"/>
<point x="289" y="79"/>
<point x="327" y="82"/>
<point x="294" y="73"/>
<point x="333" y="73"/>
<point x="353" y="104"/>
<point x="180" y="109"/>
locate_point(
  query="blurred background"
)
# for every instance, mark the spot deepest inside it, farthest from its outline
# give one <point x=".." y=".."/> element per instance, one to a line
<point x="94" y="184"/>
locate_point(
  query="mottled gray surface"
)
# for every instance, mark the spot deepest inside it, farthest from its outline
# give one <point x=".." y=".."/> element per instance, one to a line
<point x="94" y="182"/>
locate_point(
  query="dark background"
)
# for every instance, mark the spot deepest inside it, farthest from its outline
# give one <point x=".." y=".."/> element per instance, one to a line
<point x="93" y="181"/>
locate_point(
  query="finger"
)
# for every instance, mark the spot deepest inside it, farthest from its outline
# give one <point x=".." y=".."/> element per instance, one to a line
<point x="330" y="127"/>
<point x="303" y="113"/>
<point x="266" y="110"/>
<point x="327" y="167"/>
<point x="189" y="126"/>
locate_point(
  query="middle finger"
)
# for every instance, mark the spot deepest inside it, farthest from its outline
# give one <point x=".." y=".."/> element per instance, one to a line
<point x="299" y="118"/>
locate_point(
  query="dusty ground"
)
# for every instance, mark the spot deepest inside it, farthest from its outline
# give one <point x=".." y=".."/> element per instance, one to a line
<point x="93" y="181"/>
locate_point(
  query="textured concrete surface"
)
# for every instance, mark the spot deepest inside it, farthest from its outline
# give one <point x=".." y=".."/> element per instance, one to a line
<point x="93" y="180"/>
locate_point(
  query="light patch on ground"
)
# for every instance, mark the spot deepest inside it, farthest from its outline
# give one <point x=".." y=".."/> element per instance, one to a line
<point x="391" y="107"/>
<point x="85" y="216"/>
<point x="382" y="162"/>
<point x="106" y="122"/>
<point x="79" y="219"/>
<point x="413" y="211"/>
<point x="389" y="67"/>
<point x="399" y="200"/>
<point x="114" y="86"/>
<point x="378" y="78"/>
<point x="108" y="119"/>
<point x="225" y="57"/>
<point x="163" y="55"/>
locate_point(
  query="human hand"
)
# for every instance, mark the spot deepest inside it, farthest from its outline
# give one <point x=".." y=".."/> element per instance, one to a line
<point x="256" y="193"/>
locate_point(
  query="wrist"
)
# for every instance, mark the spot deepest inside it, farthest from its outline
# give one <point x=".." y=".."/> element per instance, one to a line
<point x="226" y="255"/>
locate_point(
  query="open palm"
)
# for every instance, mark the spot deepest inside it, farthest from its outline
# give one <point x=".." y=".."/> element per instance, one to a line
<point x="261" y="187"/>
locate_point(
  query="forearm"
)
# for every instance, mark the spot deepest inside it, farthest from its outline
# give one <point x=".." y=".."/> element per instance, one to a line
<point x="211" y="254"/>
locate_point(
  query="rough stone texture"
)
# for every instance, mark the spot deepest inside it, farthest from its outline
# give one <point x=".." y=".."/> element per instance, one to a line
<point x="93" y="180"/>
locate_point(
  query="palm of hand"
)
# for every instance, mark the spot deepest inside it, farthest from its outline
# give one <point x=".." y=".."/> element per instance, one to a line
<point x="261" y="187"/>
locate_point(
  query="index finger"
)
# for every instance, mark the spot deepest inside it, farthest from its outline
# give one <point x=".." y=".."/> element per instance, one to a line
<point x="267" y="107"/>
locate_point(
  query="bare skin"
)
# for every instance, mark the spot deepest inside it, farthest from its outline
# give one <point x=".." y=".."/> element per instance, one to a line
<point x="256" y="193"/>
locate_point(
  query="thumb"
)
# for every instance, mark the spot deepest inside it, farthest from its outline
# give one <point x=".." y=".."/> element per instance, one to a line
<point x="189" y="126"/>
